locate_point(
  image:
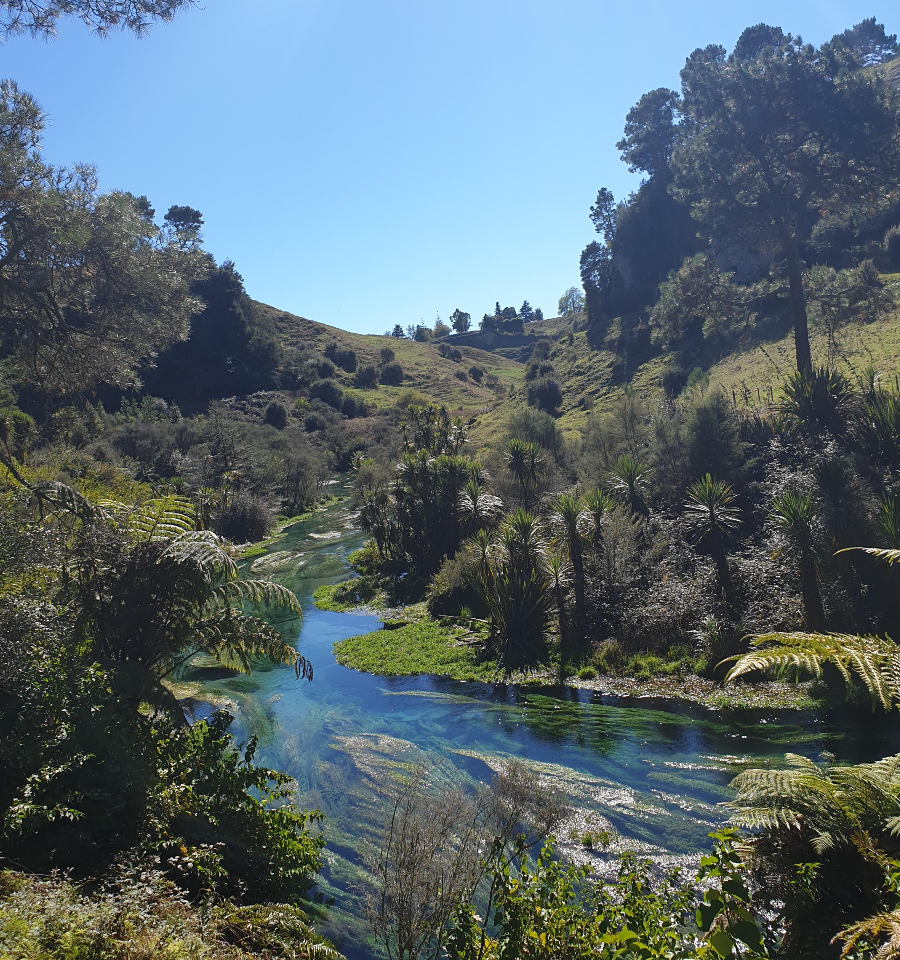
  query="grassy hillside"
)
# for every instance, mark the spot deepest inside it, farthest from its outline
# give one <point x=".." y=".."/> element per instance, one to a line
<point x="425" y="371"/>
<point x="750" y="367"/>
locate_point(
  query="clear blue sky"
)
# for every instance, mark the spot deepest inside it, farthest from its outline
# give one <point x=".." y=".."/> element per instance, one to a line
<point x="368" y="162"/>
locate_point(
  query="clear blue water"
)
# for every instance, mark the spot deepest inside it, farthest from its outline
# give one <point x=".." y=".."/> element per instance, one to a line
<point x="654" y="771"/>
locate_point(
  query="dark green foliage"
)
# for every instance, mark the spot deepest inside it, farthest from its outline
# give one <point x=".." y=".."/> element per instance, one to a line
<point x="102" y="16"/>
<point x="231" y="349"/>
<point x="367" y="376"/>
<point x="476" y="373"/>
<point x="325" y="369"/>
<point x="546" y="394"/>
<point x="817" y="400"/>
<point x="386" y="354"/>
<point x="460" y="321"/>
<point x="344" y="357"/>
<point x="276" y="415"/>
<point x="774" y="133"/>
<point x="713" y="439"/>
<point x="536" y="426"/>
<point x="314" y="422"/>
<point x="392" y="374"/>
<point x="451" y="353"/>
<point x="351" y="407"/>
<point x="328" y="392"/>
<point x="245" y="519"/>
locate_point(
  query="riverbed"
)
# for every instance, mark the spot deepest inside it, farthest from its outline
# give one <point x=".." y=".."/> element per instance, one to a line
<point x="654" y="772"/>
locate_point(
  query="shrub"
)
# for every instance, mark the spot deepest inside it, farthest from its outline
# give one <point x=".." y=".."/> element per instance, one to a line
<point x="366" y="377"/>
<point x="387" y="354"/>
<point x="714" y="440"/>
<point x="351" y="407"/>
<point x="451" y="353"/>
<point x="476" y="373"/>
<point x="325" y="369"/>
<point x="276" y="415"/>
<point x="537" y="369"/>
<point x="673" y="381"/>
<point x="246" y="518"/>
<point x="587" y="673"/>
<point x="392" y="374"/>
<point x="461" y="375"/>
<point x="313" y="422"/>
<point x="344" y="357"/>
<point x="328" y="392"/>
<point x="892" y="248"/>
<point x="545" y="394"/>
<point x="536" y="426"/>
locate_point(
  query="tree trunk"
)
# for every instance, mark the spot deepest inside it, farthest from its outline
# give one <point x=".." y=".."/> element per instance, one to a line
<point x="798" y="305"/>
<point x="812" y="597"/>
<point x="563" y="634"/>
<point x="578" y="578"/>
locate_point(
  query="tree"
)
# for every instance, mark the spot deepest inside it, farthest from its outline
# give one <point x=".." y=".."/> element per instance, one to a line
<point x="525" y="463"/>
<point x="572" y="533"/>
<point x="40" y="19"/>
<point x="525" y="312"/>
<point x="89" y="286"/>
<point x="629" y="480"/>
<point x="604" y="214"/>
<point x="650" y="135"/>
<point x="868" y="41"/>
<point x="797" y="514"/>
<point x="773" y="134"/>
<point x="185" y="221"/>
<point x="538" y="314"/>
<point x="710" y="512"/>
<point x="397" y="332"/>
<point x="571" y="302"/>
<point x="461" y="322"/>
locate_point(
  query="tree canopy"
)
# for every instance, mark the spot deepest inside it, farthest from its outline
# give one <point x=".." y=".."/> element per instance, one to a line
<point x="89" y="285"/>
<point x="773" y="134"/>
<point x="40" y="18"/>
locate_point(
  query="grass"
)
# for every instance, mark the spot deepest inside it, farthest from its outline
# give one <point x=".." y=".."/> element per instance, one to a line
<point x="424" y="369"/>
<point x="422" y="647"/>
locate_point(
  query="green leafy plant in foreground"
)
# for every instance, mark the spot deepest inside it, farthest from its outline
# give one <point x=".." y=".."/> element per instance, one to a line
<point x="551" y="910"/>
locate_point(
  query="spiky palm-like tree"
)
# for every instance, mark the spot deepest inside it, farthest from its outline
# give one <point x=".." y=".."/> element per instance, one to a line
<point x="525" y="464"/>
<point x="572" y="528"/>
<point x="510" y="578"/>
<point x="559" y="577"/>
<point x="711" y="513"/>
<point x="817" y="399"/>
<point x="477" y="507"/>
<point x="629" y="481"/>
<point x="598" y="504"/>
<point x="796" y="514"/>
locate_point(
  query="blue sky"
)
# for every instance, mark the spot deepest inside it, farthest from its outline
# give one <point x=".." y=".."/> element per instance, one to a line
<point x="369" y="162"/>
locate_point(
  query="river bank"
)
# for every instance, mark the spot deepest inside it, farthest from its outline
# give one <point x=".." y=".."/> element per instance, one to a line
<point x="412" y="643"/>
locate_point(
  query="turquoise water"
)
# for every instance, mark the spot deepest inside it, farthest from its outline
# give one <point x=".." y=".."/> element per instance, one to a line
<point x="654" y="771"/>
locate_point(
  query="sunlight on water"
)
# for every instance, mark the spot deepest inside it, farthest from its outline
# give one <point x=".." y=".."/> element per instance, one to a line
<point x="654" y="772"/>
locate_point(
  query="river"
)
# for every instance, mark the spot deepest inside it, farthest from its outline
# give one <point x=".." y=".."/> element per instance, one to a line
<point x="655" y="772"/>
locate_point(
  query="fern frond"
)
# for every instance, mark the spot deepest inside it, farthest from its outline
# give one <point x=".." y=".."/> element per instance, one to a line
<point x="236" y="641"/>
<point x="872" y="659"/>
<point x="873" y="929"/>
<point x="258" y="593"/>
<point x="205" y="549"/>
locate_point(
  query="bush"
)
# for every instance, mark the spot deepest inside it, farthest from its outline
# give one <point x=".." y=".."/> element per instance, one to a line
<point x="325" y="369"/>
<point x="714" y="440"/>
<point x="536" y="426"/>
<point x="367" y="377"/>
<point x="892" y="248"/>
<point x="351" y="407"/>
<point x="545" y="394"/>
<point x="387" y="354"/>
<point x="344" y="357"/>
<point x="392" y="374"/>
<point x="328" y="392"/>
<point x="245" y="519"/>
<point x="276" y="415"/>
<point x="476" y="373"/>
<point x="451" y="353"/>
<point x="461" y="375"/>
<point x="673" y="381"/>
<point x="313" y="422"/>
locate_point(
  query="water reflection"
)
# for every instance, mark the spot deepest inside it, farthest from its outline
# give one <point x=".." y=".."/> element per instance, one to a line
<point x="654" y="771"/>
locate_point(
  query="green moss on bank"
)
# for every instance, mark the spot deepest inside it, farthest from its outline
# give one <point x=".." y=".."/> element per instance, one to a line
<point x="423" y="647"/>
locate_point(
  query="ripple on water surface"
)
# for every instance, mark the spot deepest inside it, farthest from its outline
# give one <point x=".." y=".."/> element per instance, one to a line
<point x="653" y="772"/>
